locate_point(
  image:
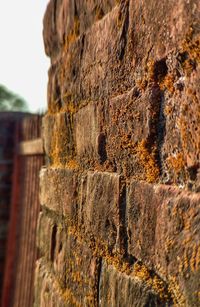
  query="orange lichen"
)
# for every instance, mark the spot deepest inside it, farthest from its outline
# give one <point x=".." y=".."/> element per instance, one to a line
<point x="72" y="164"/>
<point x="151" y="71"/>
<point x="168" y="111"/>
<point x="174" y="289"/>
<point x="191" y="44"/>
<point x="168" y="83"/>
<point x="55" y="152"/>
<point x="176" y="162"/>
<point x="70" y="298"/>
<point x="74" y="33"/>
<point x="141" y="271"/>
<point x="116" y="259"/>
<point x="148" y="161"/>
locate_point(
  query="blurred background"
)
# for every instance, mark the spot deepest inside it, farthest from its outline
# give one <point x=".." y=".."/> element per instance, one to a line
<point x="23" y="88"/>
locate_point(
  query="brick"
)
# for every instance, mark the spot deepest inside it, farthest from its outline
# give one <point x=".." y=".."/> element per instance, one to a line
<point x="69" y="261"/>
<point x="47" y="292"/>
<point x="87" y="132"/>
<point x="71" y="18"/>
<point x="85" y="71"/>
<point x="74" y="271"/>
<point x="131" y="119"/>
<point x="163" y="231"/>
<point x="119" y="289"/>
<point x="81" y="272"/>
<point x="59" y="191"/>
<point x="58" y="138"/>
<point x="51" y="241"/>
<point x="181" y="147"/>
<point x="176" y="16"/>
<point x="100" y="210"/>
<point x="44" y="234"/>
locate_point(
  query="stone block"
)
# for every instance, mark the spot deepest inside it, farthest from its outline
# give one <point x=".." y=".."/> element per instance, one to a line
<point x="81" y="272"/>
<point x="100" y="209"/>
<point x="58" y="253"/>
<point x="119" y="289"/>
<point x="87" y="132"/>
<point x="47" y="291"/>
<point x="90" y="69"/>
<point x="58" y="191"/>
<point x="69" y="261"/>
<point x="130" y="124"/>
<point x="181" y="148"/>
<point x="58" y="138"/>
<point x="44" y="233"/>
<point x="71" y="19"/>
<point x="163" y="233"/>
<point x="177" y="17"/>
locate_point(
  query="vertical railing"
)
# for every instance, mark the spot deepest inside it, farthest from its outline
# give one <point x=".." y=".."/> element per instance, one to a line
<point x="21" y="247"/>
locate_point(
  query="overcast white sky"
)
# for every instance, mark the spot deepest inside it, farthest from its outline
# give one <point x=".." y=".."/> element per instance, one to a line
<point x="23" y="63"/>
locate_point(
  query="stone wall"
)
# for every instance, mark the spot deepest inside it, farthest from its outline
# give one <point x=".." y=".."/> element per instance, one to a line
<point x="120" y="198"/>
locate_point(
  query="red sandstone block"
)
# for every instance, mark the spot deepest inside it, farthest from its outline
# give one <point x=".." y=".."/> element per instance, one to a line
<point x="44" y="233"/>
<point x="73" y="273"/>
<point x="58" y="252"/>
<point x="87" y="132"/>
<point x="130" y="124"/>
<point x="58" y="191"/>
<point x="124" y="290"/>
<point x="46" y="289"/>
<point x="51" y="241"/>
<point x="178" y="17"/>
<point x="100" y="208"/>
<point x="71" y="18"/>
<point x="58" y="138"/>
<point x="164" y="232"/>
<point x="181" y="147"/>
<point x="98" y="71"/>
<point x="81" y="272"/>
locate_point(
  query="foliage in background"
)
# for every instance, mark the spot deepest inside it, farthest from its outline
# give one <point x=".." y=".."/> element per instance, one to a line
<point x="9" y="101"/>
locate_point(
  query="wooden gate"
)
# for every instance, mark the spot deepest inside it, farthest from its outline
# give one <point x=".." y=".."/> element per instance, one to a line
<point x="21" y="247"/>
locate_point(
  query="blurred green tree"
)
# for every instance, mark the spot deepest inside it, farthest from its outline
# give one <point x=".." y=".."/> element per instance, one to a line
<point x="10" y="101"/>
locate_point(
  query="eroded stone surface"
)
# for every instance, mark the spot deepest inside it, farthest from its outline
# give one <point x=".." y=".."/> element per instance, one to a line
<point x="58" y="135"/>
<point x="163" y="231"/>
<point x="123" y="104"/>
<point x="119" y="289"/>
<point x="87" y="132"/>
<point x="99" y="212"/>
<point x="59" y="191"/>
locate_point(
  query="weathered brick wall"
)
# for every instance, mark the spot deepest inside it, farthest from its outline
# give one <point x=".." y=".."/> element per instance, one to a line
<point x="120" y="198"/>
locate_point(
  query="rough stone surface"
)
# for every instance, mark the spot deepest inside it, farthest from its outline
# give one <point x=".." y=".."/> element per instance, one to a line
<point x="99" y="212"/>
<point x="58" y="144"/>
<point x="67" y="270"/>
<point x="44" y="230"/>
<point x="163" y="231"/>
<point x="46" y="291"/>
<point x="71" y="18"/>
<point x="119" y="289"/>
<point x="59" y="190"/>
<point x="87" y="132"/>
<point x="122" y="141"/>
